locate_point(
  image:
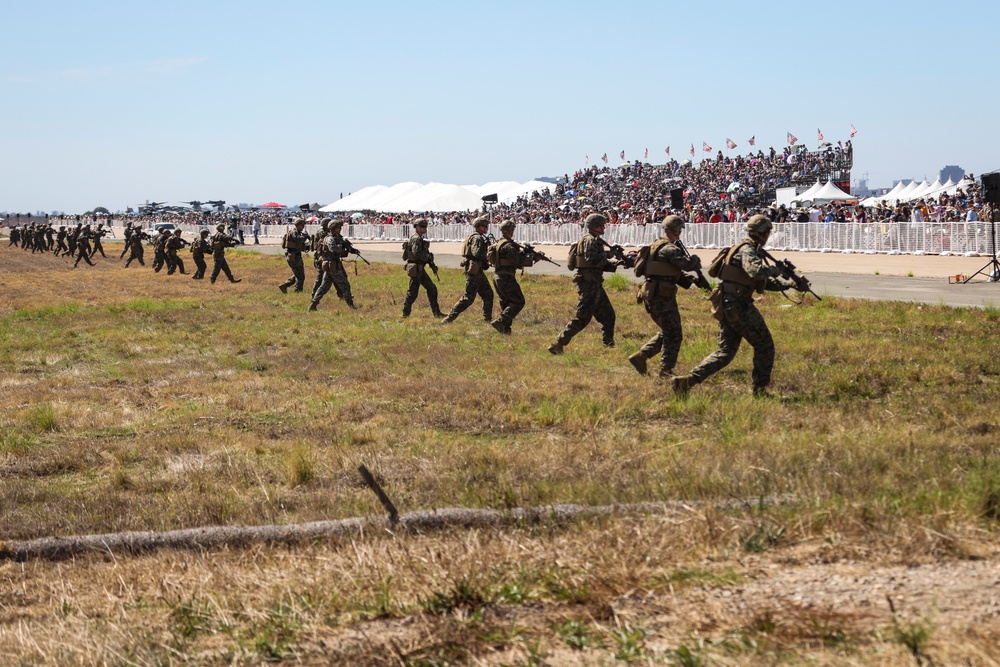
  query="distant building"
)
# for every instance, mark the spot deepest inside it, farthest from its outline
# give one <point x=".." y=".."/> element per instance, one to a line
<point x="952" y="171"/>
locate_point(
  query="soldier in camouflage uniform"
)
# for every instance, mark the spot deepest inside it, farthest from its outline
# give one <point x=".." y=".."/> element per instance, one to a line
<point x="510" y="258"/>
<point x="475" y="265"/>
<point x="335" y="249"/>
<point x="220" y="242"/>
<point x="15" y="237"/>
<point x="295" y="242"/>
<point x="128" y="237"/>
<point x="135" y="248"/>
<point x="71" y="239"/>
<point x="83" y="246"/>
<point x="664" y="269"/>
<point x="160" y="249"/>
<point x="592" y="262"/>
<point x="97" y="236"/>
<point x="418" y="256"/>
<point x="61" y="247"/>
<point x="174" y="261"/>
<point x="199" y="248"/>
<point x="317" y="245"/>
<point x="743" y="273"/>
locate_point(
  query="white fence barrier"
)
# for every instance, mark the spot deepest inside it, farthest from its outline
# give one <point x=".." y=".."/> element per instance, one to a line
<point x="916" y="238"/>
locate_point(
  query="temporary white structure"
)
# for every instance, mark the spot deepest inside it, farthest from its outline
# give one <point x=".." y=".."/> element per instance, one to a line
<point x="808" y="194"/>
<point x="432" y="197"/>
<point x="828" y="193"/>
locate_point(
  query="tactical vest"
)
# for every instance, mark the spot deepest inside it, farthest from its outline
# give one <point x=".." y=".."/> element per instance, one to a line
<point x="656" y="268"/>
<point x="732" y="273"/>
<point x="502" y="260"/>
<point x="581" y="260"/>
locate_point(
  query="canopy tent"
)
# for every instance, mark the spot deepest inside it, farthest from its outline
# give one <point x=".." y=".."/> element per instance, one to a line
<point x="273" y="204"/>
<point x="918" y="192"/>
<point x="829" y="192"/>
<point x="432" y="197"/>
<point x="808" y="194"/>
<point x="348" y="202"/>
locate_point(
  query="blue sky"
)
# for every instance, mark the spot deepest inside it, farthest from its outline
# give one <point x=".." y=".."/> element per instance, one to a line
<point x="115" y="103"/>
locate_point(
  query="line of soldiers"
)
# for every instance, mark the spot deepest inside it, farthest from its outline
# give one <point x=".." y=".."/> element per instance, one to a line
<point x="167" y="244"/>
<point x="329" y="248"/>
<point x="742" y="270"/>
<point x="80" y="241"/>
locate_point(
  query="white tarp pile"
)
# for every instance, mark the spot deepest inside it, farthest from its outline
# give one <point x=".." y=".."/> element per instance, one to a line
<point x="432" y="197"/>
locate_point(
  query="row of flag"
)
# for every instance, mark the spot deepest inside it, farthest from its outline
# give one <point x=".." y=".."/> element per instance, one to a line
<point x="730" y="144"/>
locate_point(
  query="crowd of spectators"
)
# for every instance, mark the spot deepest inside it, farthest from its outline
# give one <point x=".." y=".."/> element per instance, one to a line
<point x="715" y="190"/>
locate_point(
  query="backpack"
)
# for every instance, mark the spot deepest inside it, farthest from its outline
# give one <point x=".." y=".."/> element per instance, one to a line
<point x="493" y="254"/>
<point x="715" y="268"/>
<point x="407" y="257"/>
<point x="641" y="260"/>
<point x="571" y="258"/>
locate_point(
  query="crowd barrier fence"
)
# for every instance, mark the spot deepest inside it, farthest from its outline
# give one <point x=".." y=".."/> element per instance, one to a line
<point x="917" y="238"/>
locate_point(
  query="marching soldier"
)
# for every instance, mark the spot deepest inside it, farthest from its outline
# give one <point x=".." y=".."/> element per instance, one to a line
<point x="418" y="255"/>
<point x="335" y="249"/>
<point x="97" y="235"/>
<point x="475" y="265"/>
<point x="317" y="245"/>
<point x="664" y="270"/>
<point x="510" y="257"/>
<point x="198" y="250"/>
<point x="174" y="261"/>
<point x="592" y="261"/>
<point x="220" y="242"/>
<point x="742" y="274"/>
<point x="61" y="246"/>
<point x="295" y="243"/>
<point x="135" y="248"/>
<point x="83" y="250"/>
<point x="160" y="249"/>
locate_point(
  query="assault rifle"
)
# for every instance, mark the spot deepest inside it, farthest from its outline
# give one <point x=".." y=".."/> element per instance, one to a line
<point x="787" y="270"/>
<point x="618" y="252"/>
<point x="539" y="254"/>
<point x="434" y="267"/>
<point x="700" y="280"/>
<point x="354" y="251"/>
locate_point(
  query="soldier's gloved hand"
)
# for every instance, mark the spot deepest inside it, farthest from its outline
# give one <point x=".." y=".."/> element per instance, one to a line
<point x="696" y="260"/>
<point x="786" y="283"/>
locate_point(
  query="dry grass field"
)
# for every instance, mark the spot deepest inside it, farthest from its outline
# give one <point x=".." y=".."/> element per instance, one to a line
<point x="849" y="519"/>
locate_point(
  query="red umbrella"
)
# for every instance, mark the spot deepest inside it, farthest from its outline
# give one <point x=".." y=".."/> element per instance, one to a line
<point x="272" y="204"/>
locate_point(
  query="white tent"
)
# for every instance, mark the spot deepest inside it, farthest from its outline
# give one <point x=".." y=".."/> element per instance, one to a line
<point x="349" y="202"/>
<point x="808" y="194"/>
<point x="890" y="196"/>
<point x="904" y="194"/>
<point x="829" y="192"/>
<point x="384" y="201"/>
<point x="438" y="198"/>
<point x="918" y="192"/>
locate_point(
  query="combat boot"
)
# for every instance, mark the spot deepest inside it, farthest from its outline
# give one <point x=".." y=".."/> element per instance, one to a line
<point x="638" y="361"/>
<point x="235" y="280"/>
<point x="682" y="384"/>
<point x="313" y="305"/>
<point x="284" y="288"/>
<point x="448" y="319"/>
<point x="438" y="313"/>
<point x="350" y="304"/>
<point x="761" y="392"/>
<point x="556" y="348"/>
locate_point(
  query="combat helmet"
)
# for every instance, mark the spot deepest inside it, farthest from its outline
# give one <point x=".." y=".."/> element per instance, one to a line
<point x="758" y="225"/>
<point x="595" y="220"/>
<point x="298" y="221"/>
<point x="507" y="226"/>
<point x="481" y="220"/>
<point x="673" y="223"/>
<point x="220" y="227"/>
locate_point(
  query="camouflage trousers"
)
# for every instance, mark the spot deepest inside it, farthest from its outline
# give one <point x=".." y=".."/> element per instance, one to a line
<point x="298" y="277"/>
<point x="741" y="320"/>
<point x="220" y="265"/>
<point x="477" y="285"/>
<point x="511" y="297"/>
<point x="668" y="339"/>
<point x="174" y="263"/>
<point x="83" y="252"/>
<point x="200" y="266"/>
<point x="593" y="304"/>
<point x="338" y="280"/>
<point x="159" y="260"/>
<point x="136" y="254"/>
<point x="422" y="280"/>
